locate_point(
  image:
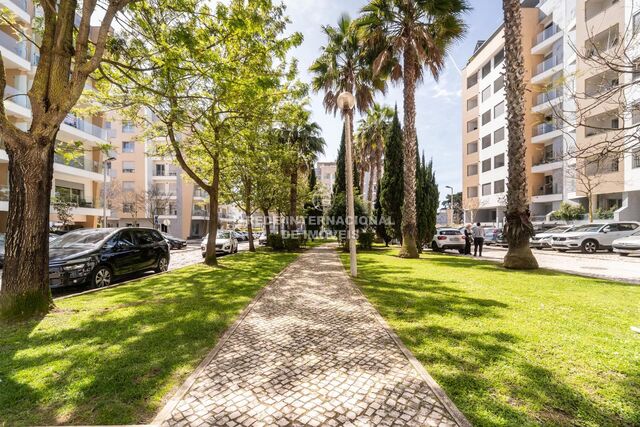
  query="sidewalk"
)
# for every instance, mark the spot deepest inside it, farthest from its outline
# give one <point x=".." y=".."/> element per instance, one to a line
<point x="310" y="351"/>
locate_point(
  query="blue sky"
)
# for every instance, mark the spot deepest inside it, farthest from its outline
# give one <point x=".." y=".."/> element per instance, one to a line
<point x="438" y="106"/>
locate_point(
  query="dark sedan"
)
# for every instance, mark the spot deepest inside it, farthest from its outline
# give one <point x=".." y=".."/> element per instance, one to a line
<point x="174" y="242"/>
<point x="96" y="256"/>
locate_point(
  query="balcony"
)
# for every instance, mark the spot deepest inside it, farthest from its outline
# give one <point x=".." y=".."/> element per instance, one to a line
<point x="79" y="167"/>
<point x="547" y="163"/>
<point x="14" y="52"/>
<point x="200" y="213"/>
<point x="200" y="194"/>
<point x="546" y="100"/>
<point x="18" y="8"/>
<point x="545" y="131"/>
<point x="551" y="192"/>
<point x="85" y="126"/>
<point x="594" y="8"/>
<point x="546" y="69"/>
<point x="545" y="39"/>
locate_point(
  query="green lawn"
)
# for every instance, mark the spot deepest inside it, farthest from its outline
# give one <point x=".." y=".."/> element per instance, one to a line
<point x="110" y="357"/>
<point x="514" y="348"/>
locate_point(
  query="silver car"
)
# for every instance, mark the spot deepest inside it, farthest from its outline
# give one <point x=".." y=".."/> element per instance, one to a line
<point x="544" y="240"/>
<point x="628" y="245"/>
<point x="226" y="243"/>
<point x="589" y="238"/>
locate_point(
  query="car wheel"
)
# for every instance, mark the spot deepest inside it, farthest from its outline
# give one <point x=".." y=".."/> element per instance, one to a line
<point x="561" y="250"/>
<point x="621" y="254"/>
<point x="101" y="277"/>
<point x="163" y="264"/>
<point x="461" y="251"/>
<point x="610" y="250"/>
<point x="589" y="246"/>
<point x="434" y="247"/>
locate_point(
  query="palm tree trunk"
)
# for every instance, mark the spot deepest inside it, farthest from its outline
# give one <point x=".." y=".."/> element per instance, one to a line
<point x="371" y="181"/>
<point x="214" y="193"/>
<point x="409" y="248"/>
<point x="518" y="228"/>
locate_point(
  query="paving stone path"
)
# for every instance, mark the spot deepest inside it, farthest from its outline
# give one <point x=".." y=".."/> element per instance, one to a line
<point x="310" y="351"/>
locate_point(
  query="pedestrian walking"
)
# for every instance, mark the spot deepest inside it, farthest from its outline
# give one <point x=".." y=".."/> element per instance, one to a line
<point x="468" y="239"/>
<point x="478" y="239"/>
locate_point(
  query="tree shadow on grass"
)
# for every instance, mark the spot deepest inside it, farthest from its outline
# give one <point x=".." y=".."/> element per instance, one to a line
<point x="109" y="357"/>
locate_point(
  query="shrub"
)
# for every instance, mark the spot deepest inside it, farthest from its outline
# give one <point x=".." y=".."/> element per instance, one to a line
<point x="275" y="242"/>
<point x="292" y="243"/>
<point x="568" y="212"/>
<point x="365" y="239"/>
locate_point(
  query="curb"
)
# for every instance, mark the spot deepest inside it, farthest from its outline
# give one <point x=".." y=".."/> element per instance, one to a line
<point x="165" y="412"/>
<point x="440" y="394"/>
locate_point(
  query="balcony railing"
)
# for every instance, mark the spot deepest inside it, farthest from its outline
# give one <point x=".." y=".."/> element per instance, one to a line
<point x="544" y="160"/>
<point x="543" y="128"/>
<point x="549" y="96"/>
<point x="85" y="126"/>
<point x="200" y="193"/>
<point x="548" y="190"/>
<point x="200" y="212"/>
<point x="548" y="64"/>
<point x="546" y="34"/>
<point x="22" y="4"/>
<point x="12" y="94"/>
<point x="15" y="46"/>
<point x="76" y="201"/>
<point x="79" y="163"/>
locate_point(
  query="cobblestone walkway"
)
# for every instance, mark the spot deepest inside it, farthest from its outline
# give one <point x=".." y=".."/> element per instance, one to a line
<point x="311" y="351"/>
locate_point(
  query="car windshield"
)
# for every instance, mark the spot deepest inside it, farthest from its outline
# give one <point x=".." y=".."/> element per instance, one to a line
<point x="558" y="230"/>
<point x="587" y="227"/>
<point x="223" y="235"/>
<point x="449" y="232"/>
<point x="637" y="233"/>
<point x="80" y="239"/>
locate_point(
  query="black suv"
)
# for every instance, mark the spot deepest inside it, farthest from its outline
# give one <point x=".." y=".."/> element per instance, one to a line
<point x="95" y="256"/>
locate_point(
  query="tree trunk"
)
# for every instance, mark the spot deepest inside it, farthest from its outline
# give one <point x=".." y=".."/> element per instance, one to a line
<point x="361" y="175"/>
<point x="518" y="228"/>
<point x="370" y="189"/>
<point x="267" y="223"/>
<point x="25" y="289"/>
<point x="210" y="256"/>
<point x="293" y="201"/>
<point x="248" y="211"/>
<point x="279" y="223"/>
<point x="590" y="206"/>
<point x="252" y="247"/>
<point x="379" y="153"/>
<point x="409" y="248"/>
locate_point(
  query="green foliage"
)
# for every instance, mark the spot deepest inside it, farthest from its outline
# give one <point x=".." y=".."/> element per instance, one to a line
<point x="603" y="213"/>
<point x="392" y="185"/>
<point x="293" y="243"/>
<point x="63" y="210"/>
<point x="275" y="242"/>
<point x="337" y="216"/>
<point x="340" y="184"/>
<point x="458" y="211"/>
<point x="365" y="239"/>
<point x="380" y="223"/>
<point x="569" y="212"/>
<point x="427" y="200"/>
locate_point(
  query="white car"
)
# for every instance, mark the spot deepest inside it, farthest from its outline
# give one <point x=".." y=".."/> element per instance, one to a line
<point x="543" y="240"/>
<point x="226" y="243"/>
<point x="628" y="245"/>
<point x="589" y="238"/>
<point x="262" y="240"/>
<point x="448" y="238"/>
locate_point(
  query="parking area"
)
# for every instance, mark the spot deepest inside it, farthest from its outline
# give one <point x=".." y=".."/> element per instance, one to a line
<point x="603" y="265"/>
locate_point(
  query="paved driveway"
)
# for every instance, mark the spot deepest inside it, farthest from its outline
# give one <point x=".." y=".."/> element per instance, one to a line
<point x="601" y="265"/>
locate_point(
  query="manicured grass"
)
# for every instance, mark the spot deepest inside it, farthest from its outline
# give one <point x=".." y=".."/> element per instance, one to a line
<point x="111" y="356"/>
<point x="514" y="348"/>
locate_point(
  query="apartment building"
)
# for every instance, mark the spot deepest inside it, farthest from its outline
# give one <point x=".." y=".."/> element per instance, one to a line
<point x="326" y="177"/>
<point x="555" y="33"/>
<point x="77" y="180"/>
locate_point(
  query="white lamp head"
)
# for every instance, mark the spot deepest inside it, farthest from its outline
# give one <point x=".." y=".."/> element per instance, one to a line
<point x="346" y="101"/>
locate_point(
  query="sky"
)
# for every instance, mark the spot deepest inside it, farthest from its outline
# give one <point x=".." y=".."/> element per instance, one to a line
<point x="438" y="104"/>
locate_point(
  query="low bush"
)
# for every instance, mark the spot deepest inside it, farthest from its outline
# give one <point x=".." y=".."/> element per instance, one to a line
<point x="365" y="239"/>
<point x="275" y="242"/>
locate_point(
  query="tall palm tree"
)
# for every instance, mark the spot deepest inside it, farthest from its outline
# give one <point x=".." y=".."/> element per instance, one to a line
<point x="518" y="228"/>
<point x="305" y="143"/>
<point x="407" y="36"/>
<point x="343" y="66"/>
<point x="363" y="151"/>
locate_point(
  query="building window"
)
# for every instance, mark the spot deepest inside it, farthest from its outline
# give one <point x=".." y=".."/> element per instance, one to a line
<point x="472" y="103"/>
<point x="472" y="80"/>
<point x="486" y="69"/>
<point x="635" y="158"/>
<point x="128" y="126"/>
<point x="486" y="141"/>
<point x="472" y="192"/>
<point x="498" y="84"/>
<point x="127" y="207"/>
<point x="498" y="110"/>
<point x="486" y="165"/>
<point x="636" y="23"/>
<point x="498" y="187"/>
<point x="497" y="60"/>
<point x="498" y="135"/>
<point x="635" y="114"/>
<point x="128" y="146"/>
<point x="486" y="189"/>
<point x="128" y="185"/>
<point x="472" y="170"/>
<point x="160" y="170"/>
<point x="486" y="93"/>
<point x="128" y="167"/>
<point x="472" y="125"/>
<point x="472" y="147"/>
<point x="498" y="161"/>
<point x="486" y="117"/>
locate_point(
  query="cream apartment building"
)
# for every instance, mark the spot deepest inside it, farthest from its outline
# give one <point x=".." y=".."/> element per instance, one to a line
<point x="78" y="180"/>
<point x="555" y="33"/>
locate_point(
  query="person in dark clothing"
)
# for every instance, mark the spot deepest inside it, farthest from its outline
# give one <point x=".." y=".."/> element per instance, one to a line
<point x="468" y="238"/>
<point x="478" y="239"/>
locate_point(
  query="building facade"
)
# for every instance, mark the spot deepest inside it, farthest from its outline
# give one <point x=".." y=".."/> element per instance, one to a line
<point x="560" y="79"/>
<point x="326" y="177"/>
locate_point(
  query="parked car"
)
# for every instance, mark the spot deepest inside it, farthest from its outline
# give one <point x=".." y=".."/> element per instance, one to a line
<point x="543" y="239"/>
<point x="226" y="243"/>
<point x="491" y="235"/>
<point x="448" y="238"/>
<point x="627" y="245"/>
<point x="591" y="237"/>
<point x="174" y="242"/>
<point x="2" y="237"/>
<point x="262" y="240"/>
<point x="96" y="256"/>
<point x="501" y="240"/>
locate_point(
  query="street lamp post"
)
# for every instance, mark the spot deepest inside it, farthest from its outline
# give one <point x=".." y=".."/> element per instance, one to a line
<point x="451" y="203"/>
<point x="346" y="102"/>
<point x="104" y="190"/>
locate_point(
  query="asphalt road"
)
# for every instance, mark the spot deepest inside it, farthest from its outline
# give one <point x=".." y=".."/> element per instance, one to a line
<point x="602" y="265"/>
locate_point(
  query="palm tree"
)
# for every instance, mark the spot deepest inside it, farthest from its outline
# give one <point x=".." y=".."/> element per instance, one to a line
<point x="518" y="228"/>
<point x="343" y="66"/>
<point x="305" y="143"/>
<point x="372" y="131"/>
<point x="406" y="36"/>
<point x="363" y="151"/>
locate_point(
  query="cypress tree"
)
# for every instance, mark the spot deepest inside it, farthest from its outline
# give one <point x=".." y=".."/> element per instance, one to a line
<point x="381" y="226"/>
<point x="427" y="199"/>
<point x="313" y="179"/>
<point x="392" y="185"/>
